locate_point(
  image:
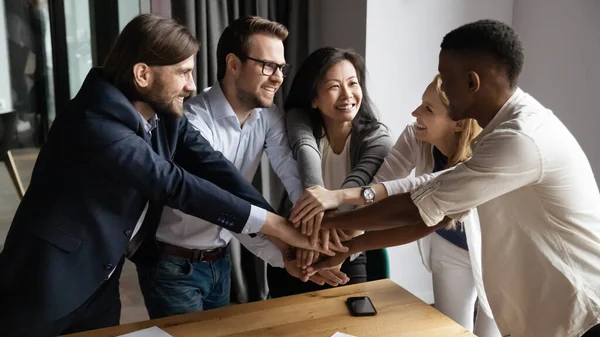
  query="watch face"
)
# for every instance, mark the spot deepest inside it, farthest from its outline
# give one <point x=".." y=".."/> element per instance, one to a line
<point x="369" y="194"/>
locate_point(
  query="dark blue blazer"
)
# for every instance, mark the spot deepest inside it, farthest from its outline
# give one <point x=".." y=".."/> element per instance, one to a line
<point x="90" y="183"/>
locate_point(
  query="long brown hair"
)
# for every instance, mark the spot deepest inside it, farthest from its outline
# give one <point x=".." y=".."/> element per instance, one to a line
<point x="470" y="129"/>
<point x="149" y="39"/>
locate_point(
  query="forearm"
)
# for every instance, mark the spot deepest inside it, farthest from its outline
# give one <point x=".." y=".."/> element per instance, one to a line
<point x="353" y="196"/>
<point x="408" y="184"/>
<point x="394" y="211"/>
<point x="305" y="147"/>
<point x="309" y="164"/>
<point x="273" y="225"/>
<point x="282" y="246"/>
<point x="390" y="237"/>
<point x="372" y="151"/>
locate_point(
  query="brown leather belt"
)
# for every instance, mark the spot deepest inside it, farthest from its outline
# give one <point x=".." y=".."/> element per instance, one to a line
<point x="195" y="255"/>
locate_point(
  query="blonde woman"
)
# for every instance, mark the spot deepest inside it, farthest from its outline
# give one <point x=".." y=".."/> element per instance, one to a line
<point x="433" y="143"/>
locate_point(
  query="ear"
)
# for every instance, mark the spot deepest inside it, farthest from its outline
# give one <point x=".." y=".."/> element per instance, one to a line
<point x="142" y="75"/>
<point x="233" y="63"/>
<point x="474" y="81"/>
<point x="459" y="126"/>
<point x="314" y="103"/>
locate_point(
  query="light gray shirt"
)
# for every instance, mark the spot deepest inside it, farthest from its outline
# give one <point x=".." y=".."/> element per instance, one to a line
<point x="264" y="130"/>
<point x="367" y="151"/>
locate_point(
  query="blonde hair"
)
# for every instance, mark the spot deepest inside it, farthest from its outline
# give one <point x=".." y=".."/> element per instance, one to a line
<point x="469" y="131"/>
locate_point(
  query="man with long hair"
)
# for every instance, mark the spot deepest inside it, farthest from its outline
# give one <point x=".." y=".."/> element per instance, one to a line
<point x="116" y="155"/>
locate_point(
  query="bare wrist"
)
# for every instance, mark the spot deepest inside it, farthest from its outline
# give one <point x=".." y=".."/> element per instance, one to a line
<point x="339" y="197"/>
<point x="271" y="226"/>
<point x="353" y="246"/>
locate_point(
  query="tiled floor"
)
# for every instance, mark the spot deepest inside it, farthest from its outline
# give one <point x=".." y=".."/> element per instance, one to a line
<point x="131" y="299"/>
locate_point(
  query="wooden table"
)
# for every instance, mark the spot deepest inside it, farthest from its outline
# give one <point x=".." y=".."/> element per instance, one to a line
<point x="320" y="313"/>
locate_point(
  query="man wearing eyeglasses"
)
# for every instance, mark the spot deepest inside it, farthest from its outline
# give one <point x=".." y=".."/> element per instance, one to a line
<point x="238" y="118"/>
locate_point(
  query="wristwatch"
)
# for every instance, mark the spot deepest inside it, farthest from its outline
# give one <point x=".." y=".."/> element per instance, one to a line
<point x="368" y="194"/>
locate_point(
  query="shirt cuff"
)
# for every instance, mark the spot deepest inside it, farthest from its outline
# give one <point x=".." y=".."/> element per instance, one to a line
<point x="256" y="220"/>
<point x="275" y="260"/>
<point x="354" y="256"/>
<point x="295" y="195"/>
<point x="389" y="188"/>
<point x="428" y="208"/>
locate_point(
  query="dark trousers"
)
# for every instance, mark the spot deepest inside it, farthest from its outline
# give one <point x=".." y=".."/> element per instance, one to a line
<point x="593" y="332"/>
<point x="283" y="284"/>
<point x="102" y="309"/>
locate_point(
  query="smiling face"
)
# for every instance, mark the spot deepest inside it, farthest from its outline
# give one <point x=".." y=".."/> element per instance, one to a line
<point x="433" y="125"/>
<point x="255" y="89"/>
<point x="339" y="94"/>
<point x="169" y="86"/>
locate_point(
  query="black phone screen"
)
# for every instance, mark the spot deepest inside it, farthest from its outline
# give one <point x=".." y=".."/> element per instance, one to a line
<point x="361" y="306"/>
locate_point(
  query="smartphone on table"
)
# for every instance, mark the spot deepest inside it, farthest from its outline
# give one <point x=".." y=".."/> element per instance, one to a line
<point x="361" y="306"/>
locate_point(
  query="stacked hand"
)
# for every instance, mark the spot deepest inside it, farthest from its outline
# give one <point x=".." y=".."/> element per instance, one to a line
<point x="332" y="276"/>
<point x="307" y="216"/>
<point x="309" y="210"/>
<point x="330" y="240"/>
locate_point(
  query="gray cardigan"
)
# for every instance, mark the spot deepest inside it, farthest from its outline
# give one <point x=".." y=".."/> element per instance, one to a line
<point x="367" y="151"/>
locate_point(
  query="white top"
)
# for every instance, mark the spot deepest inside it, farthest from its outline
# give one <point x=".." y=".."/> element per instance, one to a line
<point x="335" y="167"/>
<point x="410" y="153"/>
<point x="212" y="115"/>
<point x="540" y="214"/>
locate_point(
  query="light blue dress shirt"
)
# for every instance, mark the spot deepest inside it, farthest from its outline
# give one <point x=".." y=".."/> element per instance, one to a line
<point x="264" y="130"/>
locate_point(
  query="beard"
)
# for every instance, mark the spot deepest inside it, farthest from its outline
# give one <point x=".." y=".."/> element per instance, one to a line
<point x="164" y="103"/>
<point x="251" y="100"/>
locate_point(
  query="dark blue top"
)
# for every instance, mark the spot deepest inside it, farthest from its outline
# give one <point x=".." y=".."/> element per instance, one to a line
<point x="456" y="236"/>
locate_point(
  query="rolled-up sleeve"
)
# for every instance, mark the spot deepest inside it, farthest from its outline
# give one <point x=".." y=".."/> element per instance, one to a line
<point x="408" y="184"/>
<point x="502" y="161"/>
<point x="401" y="159"/>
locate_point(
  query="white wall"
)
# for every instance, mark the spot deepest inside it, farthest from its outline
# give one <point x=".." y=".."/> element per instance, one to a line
<point x="562" y="63"/>
<point x="128" y="9"/>
<point x="402" y="46"/>
<point x="5" y="92"/>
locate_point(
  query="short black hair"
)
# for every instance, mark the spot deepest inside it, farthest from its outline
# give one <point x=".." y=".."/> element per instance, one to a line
<point x="492" y="37"/>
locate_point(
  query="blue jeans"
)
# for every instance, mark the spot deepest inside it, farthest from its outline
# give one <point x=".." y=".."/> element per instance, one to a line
<point x="175" y="285"/>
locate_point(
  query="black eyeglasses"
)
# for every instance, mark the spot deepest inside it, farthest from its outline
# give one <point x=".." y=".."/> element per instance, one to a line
<point x="269" y="68"/>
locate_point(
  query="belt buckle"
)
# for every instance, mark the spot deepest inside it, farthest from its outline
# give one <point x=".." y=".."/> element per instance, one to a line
<point x="198" y="255"/>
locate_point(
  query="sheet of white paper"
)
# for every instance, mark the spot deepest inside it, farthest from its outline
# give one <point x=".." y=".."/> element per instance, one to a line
<point x="150" y="332"/>
<point x="341" y="334"/>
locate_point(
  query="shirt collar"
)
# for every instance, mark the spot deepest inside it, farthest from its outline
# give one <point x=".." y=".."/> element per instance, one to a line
<point x="221" y="108"/>
<point x="150" y="124"/>
<point x="502" y="115"/>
